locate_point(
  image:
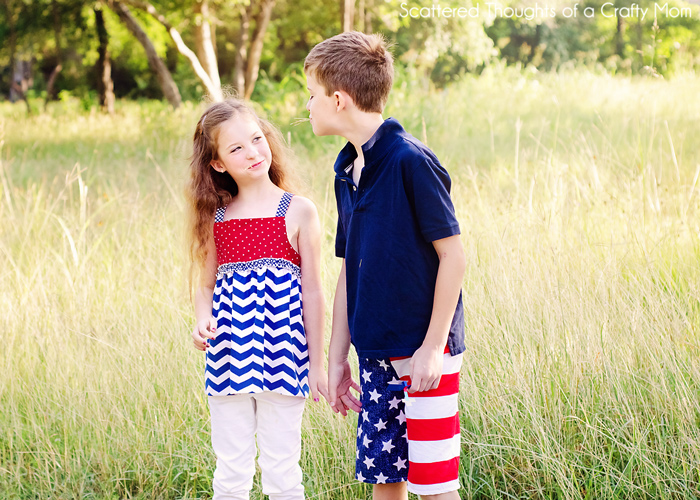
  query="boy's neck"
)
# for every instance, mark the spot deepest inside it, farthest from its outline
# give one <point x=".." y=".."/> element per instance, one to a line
<point x="361" y="127"/>
<point x="359" y="130"/>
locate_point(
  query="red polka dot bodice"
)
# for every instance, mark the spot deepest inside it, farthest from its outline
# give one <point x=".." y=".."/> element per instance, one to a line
<point x="245" y="240"/>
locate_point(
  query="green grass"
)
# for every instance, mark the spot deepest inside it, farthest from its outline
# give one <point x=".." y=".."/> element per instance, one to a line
<point x="581" y="378"/>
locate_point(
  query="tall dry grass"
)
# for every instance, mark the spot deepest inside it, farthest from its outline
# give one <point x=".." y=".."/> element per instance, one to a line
<point x="577" y="197"/>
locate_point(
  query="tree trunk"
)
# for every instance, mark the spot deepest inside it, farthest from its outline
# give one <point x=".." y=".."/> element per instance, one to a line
<point x="50" y="84"/>
<point x="172" y="94"/>
<point x="361" y="16"/>
<point x="214" y="90"/>
<point x="261" y="22"/>
<point x="13" y="40"/>
<point x="640" y="35"/>
<point x="368" y="15"/>
<point x="348" y="15"/>
<point x="205" y="41"/>
<point x="50" y="90"/>
<point x="620" y="37"/>
<point x="105" y="85"/>
<point x="242" y="50"/>
<point x="22" y="81"/>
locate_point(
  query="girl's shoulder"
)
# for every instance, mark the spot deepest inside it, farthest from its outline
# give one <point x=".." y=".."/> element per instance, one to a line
<point x="301" y="206"/>
<point x="302" y="213"/>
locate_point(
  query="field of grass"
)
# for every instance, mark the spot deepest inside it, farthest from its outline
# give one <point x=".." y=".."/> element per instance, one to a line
<point x="580" y="213"/>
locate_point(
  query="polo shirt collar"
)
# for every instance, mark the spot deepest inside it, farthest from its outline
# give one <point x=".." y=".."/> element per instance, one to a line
<point x="373" y="150"/>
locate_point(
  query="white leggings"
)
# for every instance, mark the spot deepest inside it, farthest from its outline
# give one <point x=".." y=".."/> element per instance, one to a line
<point x="276" y="419"/>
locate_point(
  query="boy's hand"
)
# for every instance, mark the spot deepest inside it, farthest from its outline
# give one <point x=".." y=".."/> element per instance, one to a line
<point x="339" y="383"/>
<point x="203" y="331"/>
<point x="426" y="368"/>
<point x="318" y="383"/>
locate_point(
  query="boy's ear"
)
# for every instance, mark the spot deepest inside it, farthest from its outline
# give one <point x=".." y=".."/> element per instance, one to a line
<point x="342" y="100"/>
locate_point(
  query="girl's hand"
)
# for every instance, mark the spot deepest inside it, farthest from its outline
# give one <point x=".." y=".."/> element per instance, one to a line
<point x="339" y="384"/>
<point x="203" y="331"/>
<point x="318" y="383"/>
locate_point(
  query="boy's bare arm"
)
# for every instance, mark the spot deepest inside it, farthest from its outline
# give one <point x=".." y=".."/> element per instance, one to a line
<point x="339" y="375"/>
<point x="426" y="363"/>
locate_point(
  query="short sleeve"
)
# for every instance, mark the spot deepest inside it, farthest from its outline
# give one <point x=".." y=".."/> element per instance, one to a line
<point x="340" y="237"/>
<point x="427" y="186"/>
<point x="340" y="240"/>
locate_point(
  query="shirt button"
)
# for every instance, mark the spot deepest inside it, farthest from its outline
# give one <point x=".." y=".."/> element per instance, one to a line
<point x="354" y="188"/>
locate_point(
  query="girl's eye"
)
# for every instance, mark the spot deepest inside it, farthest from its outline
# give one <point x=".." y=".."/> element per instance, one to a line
<point x="235" y="149"/>
<point x="256" y="139"/>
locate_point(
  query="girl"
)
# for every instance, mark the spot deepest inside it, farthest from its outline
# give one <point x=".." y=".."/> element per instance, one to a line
<point x="256" y="246"/>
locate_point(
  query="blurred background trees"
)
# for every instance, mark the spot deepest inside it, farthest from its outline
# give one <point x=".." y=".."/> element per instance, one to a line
<point x="97" y="50"/>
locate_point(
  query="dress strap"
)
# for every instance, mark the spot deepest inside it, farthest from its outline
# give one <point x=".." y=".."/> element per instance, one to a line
<point x="219" y="215"/>
<point x="284" y="204"/>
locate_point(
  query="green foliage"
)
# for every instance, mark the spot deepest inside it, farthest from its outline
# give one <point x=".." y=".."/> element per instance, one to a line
<point x="442" y="48"/>
<point x="672" y="45"/>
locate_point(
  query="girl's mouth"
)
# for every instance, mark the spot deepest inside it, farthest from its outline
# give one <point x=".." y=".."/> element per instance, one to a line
<point x="256" y="165"/>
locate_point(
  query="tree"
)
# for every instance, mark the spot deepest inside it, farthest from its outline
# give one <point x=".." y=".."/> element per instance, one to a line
<point x="105" y="85"/>
<point x="204" y="41"/>
<point x="170" y="90"/>
<point x="56" y="18"/>
<point x="262" y="20"/>
<point x="348" y="11"/>
<point x="211" y="82"/>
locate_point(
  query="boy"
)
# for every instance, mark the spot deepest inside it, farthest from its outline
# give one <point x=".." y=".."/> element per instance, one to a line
<point x="398" y="298"/>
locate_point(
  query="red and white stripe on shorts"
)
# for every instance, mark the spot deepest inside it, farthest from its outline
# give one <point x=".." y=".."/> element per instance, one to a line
<point x="432" y="421"/>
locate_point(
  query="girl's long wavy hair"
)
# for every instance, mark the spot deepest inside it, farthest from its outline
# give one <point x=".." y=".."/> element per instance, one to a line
<point x="208" y="189"/>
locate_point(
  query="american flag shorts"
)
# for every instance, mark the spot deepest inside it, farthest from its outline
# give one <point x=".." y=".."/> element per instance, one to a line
<point x="418" y="442"/>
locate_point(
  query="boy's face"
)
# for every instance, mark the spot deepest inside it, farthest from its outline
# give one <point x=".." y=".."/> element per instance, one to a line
<point x="322" y="108"/>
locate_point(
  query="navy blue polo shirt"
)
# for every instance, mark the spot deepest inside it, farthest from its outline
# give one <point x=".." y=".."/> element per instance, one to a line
<point x="386" y="226"/>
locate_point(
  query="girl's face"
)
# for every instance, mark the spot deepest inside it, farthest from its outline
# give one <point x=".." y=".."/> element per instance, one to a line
<point x="243" y="150"/>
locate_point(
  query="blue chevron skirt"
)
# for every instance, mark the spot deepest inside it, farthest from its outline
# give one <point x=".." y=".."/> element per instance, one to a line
<point x="260" y="343"/>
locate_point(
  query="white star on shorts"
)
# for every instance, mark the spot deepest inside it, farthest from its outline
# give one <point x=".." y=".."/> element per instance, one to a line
<point x="381" y="478"/>
<point x="369" y="462"/>
<point x="359" y="431"/>
<point x="366" y="375"/>
<point x="374" y="396"/>
<point x="381" y="425"/>
<point x="383" y="364"/>
<point x="388" y="446"/>
<point x="366" y="441"/>
<point x="394" y="403"/>
<point x="401" y="417"/>
<point x="400" y="464"/>
<point x="360" y="477"/>
<point x="365" y="416"/>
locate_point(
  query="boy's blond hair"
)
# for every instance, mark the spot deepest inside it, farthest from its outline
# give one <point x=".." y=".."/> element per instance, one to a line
<point x="355" y="63"/>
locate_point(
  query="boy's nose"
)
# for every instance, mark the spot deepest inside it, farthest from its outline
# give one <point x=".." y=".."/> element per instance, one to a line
<point x="308" y="105"/>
